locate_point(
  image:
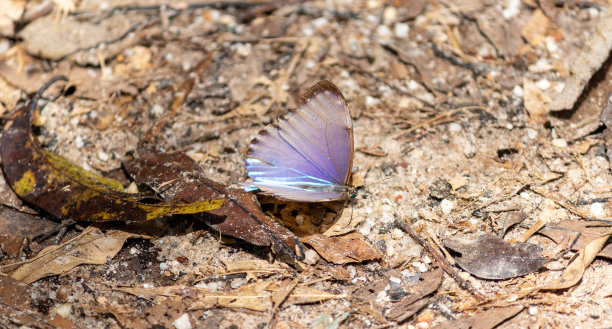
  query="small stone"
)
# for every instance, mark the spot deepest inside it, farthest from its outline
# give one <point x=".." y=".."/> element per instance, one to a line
<point x="454" y="127"/>
<point x="559" y="142"/>
<point x="446" y="206"/>
<point x="517" y="91"/>
<point x="63" y="310"/>
<point x="512" y="10"/>
<point x="311" y="257"/>
<point x="532" y="133"/>
<point x="420" y="266"/>
<point x="543" y="84"/>
<point x="401" y="30"/>
<point x="182" y="322"/>
<point x="371" y="101"/>
<point x="383" y="32"/>
<point x="597" y="210"/>
<point x="464" y="276"/>
<point x="389" y="15"/>
<point x="533" y="310"/>
<point x="299" y="219"/>
<point x="103" y="156"/>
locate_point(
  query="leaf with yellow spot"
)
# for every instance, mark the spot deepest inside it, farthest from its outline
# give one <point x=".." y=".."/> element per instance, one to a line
<point x="67" y="191"/>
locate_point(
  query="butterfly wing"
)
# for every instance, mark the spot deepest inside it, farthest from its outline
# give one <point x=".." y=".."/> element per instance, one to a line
<point x="308" y="154"/>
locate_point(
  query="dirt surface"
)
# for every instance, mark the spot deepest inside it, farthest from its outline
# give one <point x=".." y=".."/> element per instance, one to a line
<point x="453" y="135"/>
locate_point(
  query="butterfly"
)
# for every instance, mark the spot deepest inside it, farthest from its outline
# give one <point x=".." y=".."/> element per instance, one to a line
<point x="308" y="154"/>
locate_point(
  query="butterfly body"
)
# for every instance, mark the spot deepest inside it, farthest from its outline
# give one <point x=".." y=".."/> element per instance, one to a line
<point x="308" y="154"/>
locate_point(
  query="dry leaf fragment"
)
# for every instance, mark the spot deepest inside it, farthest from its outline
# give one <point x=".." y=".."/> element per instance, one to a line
<point x="90" y="247"/>
<point x="568" y="230"/>
<point x="485" y="320"/>
<point x="575" y="269"/>
<point x="342" y="249"/>
<point x="490" y="257"/>
<point x="66" y="191"/>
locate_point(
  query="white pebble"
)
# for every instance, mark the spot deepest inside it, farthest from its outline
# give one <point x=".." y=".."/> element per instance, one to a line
<point x="227" y="20"/>
<point x="389" y="15"/>
<point x="517" y="91"/>
<point x="157" y="110"/>
<point x="533" y="310"/>
<point x="79" y="141"/>
<point x="311" y="257"/>
<point x="559" y="142"/>
<point x="383" y="32"/>
<point x="63" y="310"/>
<point x="525" y="195"/>
<point x="454" y="127"/>
<point x="551" y="44"/>
<point x="243" y="49"/>
<point x="371" y="101"/>
<point x="420" y="266"/>
<point x="446" y="206"/>
<point x="532" y="133"/>
<point x="299" y="219"/>
<point x="395" y="279"/>
<point x="401" y="30"/>
<point x="559" y="86"/>
<point x="103" y="156"/>
<point x="597" y="210"/>
<point x="182" y="322"/>
<point x="320" y="22"/>
<point x="163" y="266"/>
<point x="543" y="84"/>
<point x="382" y="296"/>
<point x="512" y="10"/>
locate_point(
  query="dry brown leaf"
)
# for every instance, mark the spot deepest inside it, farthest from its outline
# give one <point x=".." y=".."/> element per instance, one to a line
<point x="490" y="257"/>
<point x="342" y="249"/>
<point x="575" y="269"/>
<point x="568" y="230"/>
<point x="90" y="247"/>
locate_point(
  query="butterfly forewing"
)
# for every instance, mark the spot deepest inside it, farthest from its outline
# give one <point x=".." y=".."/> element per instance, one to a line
<point x="307" y="155"/>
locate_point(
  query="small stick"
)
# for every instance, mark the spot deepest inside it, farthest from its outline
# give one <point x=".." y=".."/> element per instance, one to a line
<point x="404" y="226"/>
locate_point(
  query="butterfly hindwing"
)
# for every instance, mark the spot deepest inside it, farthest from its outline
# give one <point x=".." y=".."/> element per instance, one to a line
<point x="307" y="155"/>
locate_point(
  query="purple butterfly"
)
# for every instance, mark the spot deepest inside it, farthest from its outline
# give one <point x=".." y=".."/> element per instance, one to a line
<point x="308" y="154"/>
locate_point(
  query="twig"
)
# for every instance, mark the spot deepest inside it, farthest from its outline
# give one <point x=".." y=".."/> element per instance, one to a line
<point x="404" y="226"/>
